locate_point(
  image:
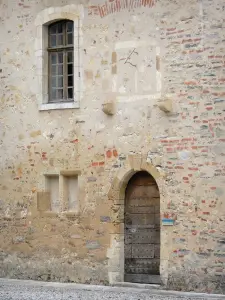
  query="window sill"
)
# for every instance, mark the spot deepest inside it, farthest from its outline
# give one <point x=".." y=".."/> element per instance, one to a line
<point x="51" y="106"/>
<point x="51" y="214"/>
<point x="71" y="214"/>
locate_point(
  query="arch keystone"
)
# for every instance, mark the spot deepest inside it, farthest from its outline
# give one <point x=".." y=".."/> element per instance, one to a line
<point x="135" y="161"/>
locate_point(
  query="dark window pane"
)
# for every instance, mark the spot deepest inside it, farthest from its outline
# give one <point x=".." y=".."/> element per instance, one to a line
<point x="60" y="57"/>
<point x="70" y="93"/>
<point x="60" y="81"/>
<point x="53" y="28"/>
<point x="69" y="38"/>
<point x="69" y="26"/>
<point x="70" y="57"/>
<point x="54" y="81"/>
<point x="53" y="94"/>
<point x="70" y="81"/>
<point x="60" y="70"/>
<point x="60" y="94"/>
<point x="52" y="40"/>
<point x="53" y="70"/>
<point x="61" y="35"/>
<point x="53" y="58"/>
<point x="60" y="40"/>
<point x="70" y="69"/>
<point x="60" y="27"/>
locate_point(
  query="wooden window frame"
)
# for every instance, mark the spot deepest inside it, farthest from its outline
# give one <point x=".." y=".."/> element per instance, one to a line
<point x="65" y="49"/>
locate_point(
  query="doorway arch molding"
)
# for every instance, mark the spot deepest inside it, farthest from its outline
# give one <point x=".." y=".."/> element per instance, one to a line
<point x="116" y="197"/>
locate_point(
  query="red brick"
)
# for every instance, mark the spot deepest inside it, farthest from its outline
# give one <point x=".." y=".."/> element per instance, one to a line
<point x="115" y="154"/>
<point x="109" y="154"/>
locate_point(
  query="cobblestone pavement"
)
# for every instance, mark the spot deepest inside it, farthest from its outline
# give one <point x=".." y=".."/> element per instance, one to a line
<point x="31" y="290"/>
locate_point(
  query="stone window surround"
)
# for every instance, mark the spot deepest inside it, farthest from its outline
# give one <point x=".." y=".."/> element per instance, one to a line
<point x="116" y="197"/>
<point x="62" y="174"/>
<point x="47" y="16"/>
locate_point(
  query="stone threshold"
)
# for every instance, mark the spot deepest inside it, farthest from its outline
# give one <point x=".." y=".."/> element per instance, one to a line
<point x="137" y="285"/>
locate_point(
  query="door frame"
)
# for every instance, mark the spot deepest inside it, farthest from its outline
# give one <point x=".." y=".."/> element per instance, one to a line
<point x="116" y="196"/>
<point x="141" y="181"/>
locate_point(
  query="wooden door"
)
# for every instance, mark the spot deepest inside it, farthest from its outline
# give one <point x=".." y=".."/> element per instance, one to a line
<point x="142" y="230"/>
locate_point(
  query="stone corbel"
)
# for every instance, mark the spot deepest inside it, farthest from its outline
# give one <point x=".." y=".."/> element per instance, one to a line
<point x="109" y="106"/>
<point x="166" y="105"/>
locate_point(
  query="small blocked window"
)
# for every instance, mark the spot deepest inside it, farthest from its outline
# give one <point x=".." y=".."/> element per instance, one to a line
<point x="61" y="61"/>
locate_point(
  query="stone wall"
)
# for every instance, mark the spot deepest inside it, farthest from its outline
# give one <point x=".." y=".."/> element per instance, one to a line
<point x="133" y="55"/>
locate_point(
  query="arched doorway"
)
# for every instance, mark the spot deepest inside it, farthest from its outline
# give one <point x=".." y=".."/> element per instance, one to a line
<point x="142" y="230"/>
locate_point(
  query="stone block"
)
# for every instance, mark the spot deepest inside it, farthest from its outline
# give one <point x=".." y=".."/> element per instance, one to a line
<point x="151" y="169"/>
<point x="119" y="201"/>
<point x="115" y="277"/>
<point x="114" y="268"/>
<point x="117" y="228"/>
<point x="157" y="62"/>
<point x="105" y="219"/>
<point x="165" y="252"/>
<point x="92" y="245"/>
<point x="114" y="62"/>
<point x="113" y="194"/>
<point x="135" y="161"/>
<point x="124" y="174"/>
<point x="18" y="239"/>
<point x="117" y="214"/>
<point x="75" y="236"/>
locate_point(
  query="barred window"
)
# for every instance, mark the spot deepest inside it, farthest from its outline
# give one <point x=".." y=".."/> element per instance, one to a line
<point x="60" y="52"/>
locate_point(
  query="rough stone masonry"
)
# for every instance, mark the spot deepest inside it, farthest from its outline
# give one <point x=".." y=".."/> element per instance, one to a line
<point x="149" y="95"/>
